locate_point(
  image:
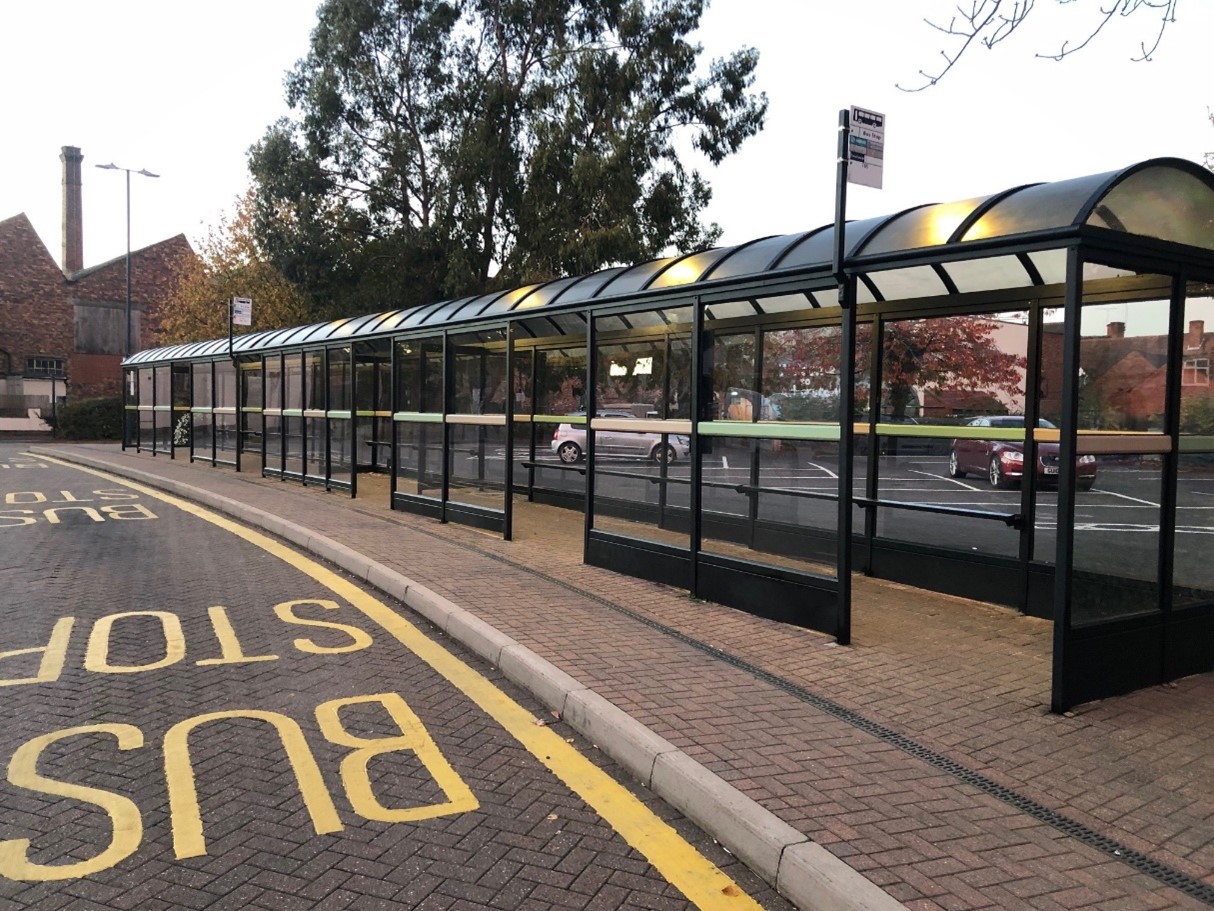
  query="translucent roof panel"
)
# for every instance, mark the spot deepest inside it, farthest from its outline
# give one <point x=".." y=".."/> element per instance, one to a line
<point x="819" y="248"/>
<point x="755" y="257"/>
<point x="988" y="274"/>
<point x="474" y="307"/>
<point x="1036" y="208"/>
<point x="904" y="284"/>
<point x="508" y="301"/>
<point x="929" y="226"/>
<point x="1160" y="201"/>
<point x="634" y="278"/>
<point x="421" y="316"/>
<point x="1050" y="265"/>
<point x="691" y="268"/>
<point x="545" y="294"/>
<point x="587" y="286"/>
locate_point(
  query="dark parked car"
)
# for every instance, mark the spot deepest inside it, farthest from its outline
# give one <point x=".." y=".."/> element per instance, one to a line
<point x="1002" y="461"/>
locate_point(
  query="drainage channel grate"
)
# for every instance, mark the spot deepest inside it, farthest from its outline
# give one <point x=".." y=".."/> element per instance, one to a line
<point x="1158" y="871"/>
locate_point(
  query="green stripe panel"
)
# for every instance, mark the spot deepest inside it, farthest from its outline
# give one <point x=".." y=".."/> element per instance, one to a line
<point x="292" y="412"/>
<point x="339" y="415"/>
<point x="418" y="417"/>
<point x="249" y="410"/>
<point x="770" y="431"/>
<point x="162" y="407"/>
<point x="945" y="432"/>
<point x="1196" y="443"/>
<point x="201" y="410"/>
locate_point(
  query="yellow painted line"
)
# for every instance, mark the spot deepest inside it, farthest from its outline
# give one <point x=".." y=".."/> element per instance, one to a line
<point x="701" y="881"/>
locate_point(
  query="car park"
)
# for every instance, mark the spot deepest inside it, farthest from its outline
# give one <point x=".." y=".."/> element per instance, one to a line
<point x="569" y="442"/>
<point x="1002" y="461"/>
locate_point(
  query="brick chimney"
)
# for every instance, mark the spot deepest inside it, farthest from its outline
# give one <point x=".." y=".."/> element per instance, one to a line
<point x="1116" y="330"/>
<point x="1197" y="328"/>
<point x="73" y="214"/>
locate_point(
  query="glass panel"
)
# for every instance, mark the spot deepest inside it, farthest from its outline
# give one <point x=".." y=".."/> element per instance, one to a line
<point x="199" y="432"/>
<point x="772" y="502"/>
<point x="735" y="395"/>
<point x="642" y="486"/>
<point x="273" y="381"/>
<point x="316" y="447"/>
<point x="560" y="380"/>
<point x="1160" y="201"/>
<point x="1193" y="571"/>
<point x="225" y="437"/>
<point x="1123" y="364"/>
<point x="419" y="459"/>
<point x="181" y="385"/>
<point x="819" y="249"/>
<point x="341" y="449"/>
<point x="293" y="444"/>
<point x="943" y="369"/>
<point x="632" y="378"/>
<point x="1116" y="553"/>
<point x="419" y="369"/>
<point x="315" y="380"/>
<point x="225" y="384"/>
<point x="147" y="434"/>
<point x="791" y="303"/>
<point x="340" y="380"/>
<point x="273" y="435"/>
<point x="479" y="372"/>
<point x="477" y="466"/>
<point x="801" y="373"/>
<point x="202" y="384"/>
<point x="164" y="387"/>
<point x="293" y="380"/>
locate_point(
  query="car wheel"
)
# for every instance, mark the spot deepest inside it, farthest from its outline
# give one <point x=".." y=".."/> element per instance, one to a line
<point x="664" y="454"/>
<point x="569" y="452"/>
<point x="1086" y="485"/>
<point x="996" y="475"/>
<point x="953" y="470"/>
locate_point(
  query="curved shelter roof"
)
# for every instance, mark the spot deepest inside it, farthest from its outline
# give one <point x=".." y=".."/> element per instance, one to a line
<point x="1005" y="240"/>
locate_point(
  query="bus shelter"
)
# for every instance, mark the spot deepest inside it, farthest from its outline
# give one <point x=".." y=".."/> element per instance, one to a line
<point x="1014" y="406"/>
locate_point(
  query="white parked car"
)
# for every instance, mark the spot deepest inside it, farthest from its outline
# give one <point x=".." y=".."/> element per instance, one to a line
<point x="569" y="442"/>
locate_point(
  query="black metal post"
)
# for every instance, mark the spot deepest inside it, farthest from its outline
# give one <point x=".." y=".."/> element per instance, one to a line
<point x="508" y="506"/>
<point x="847" y="389"/>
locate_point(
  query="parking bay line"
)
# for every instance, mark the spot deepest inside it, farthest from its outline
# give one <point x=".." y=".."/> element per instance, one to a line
<point x="679" y="862"/>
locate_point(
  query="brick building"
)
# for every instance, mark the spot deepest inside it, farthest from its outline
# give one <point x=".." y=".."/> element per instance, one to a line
<point x="64" y="330"/>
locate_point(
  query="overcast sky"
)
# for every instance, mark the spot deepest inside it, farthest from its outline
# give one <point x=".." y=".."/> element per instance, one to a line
<point x="184" y="90"/>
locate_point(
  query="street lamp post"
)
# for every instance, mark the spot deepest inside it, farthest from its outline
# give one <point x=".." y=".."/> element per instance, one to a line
<point x="146" y="173"/>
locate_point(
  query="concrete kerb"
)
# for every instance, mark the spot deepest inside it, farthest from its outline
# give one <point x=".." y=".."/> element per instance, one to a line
<point x="802" y="871"/>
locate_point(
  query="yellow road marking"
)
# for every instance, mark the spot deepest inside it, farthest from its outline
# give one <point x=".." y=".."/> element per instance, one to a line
<point x="684" y="867"/>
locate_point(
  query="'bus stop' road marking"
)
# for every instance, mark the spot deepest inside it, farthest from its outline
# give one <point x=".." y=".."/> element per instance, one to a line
<point x="684" y="867"/>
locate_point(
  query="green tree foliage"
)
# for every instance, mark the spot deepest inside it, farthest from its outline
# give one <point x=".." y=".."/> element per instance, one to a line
<point x="230" y="264"/>
<point x="447" y="147"/>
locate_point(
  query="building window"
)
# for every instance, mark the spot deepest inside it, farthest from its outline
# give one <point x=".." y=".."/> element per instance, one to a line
<point x="1196" y="372"/>
<point x="44" y="366"/>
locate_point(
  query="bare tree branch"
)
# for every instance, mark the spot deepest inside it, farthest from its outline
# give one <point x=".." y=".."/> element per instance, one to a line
<point x="989" y="22"/>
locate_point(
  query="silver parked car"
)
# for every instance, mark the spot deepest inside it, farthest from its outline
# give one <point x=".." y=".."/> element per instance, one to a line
<point x="569" y="442"/>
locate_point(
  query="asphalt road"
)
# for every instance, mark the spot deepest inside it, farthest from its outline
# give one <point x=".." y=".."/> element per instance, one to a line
<point x="197" y="717"/>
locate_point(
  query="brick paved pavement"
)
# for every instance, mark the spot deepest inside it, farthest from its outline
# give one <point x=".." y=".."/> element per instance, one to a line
<point x="923" y="755"/>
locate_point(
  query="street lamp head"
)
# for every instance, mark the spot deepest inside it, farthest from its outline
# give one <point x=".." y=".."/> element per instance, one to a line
<point x="146" y="173"/>
<point x="109" y="167"/>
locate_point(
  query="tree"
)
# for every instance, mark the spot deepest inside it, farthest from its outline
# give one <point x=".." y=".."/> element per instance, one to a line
<point x="230" y="265"/>
<point x="987" y="23"/>
<point x="446" y="147"/>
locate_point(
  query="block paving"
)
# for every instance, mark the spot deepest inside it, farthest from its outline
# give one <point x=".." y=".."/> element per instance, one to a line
<point x="923" y="754"/>
<point x="532" y="843"/>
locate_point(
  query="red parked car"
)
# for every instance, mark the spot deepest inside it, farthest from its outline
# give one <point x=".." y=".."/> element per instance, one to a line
<point x="1002" y="461"/>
